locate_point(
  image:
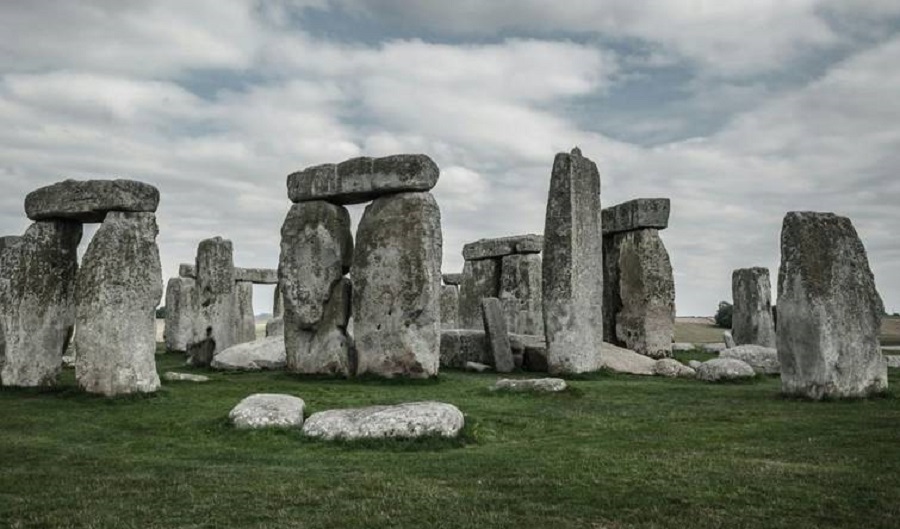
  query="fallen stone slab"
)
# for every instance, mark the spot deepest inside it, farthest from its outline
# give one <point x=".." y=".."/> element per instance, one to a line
<point x="722" y="369"/>
<point x="762" y="359"/>
<point x="637" y="214"/>
<point x="476" y="367"/>
<point x="669" y="367"/>
<point x="405" y="421"/>
<point x="452" y="279"/>
<point x="459" y="346"/>
<point x="268" y="410"/>
<point x="716" y="347"/>
<point x="257" y="276"/>
<point x="364" y="179"/>
<point x="171" y="376"/>
<point x="680" y="347"/>
<point x="90" y="200"/>
<point x="502" y="246"/>
<point x="266" y="353"/>
<point x="621" y="360"/>
<point x="533" y="385"/>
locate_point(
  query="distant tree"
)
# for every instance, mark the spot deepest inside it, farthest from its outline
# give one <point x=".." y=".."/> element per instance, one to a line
<point x="161" y="313"/>
<point x="723" y="315"/>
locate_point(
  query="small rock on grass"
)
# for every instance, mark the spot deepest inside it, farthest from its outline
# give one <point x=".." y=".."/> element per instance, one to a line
<point x="172" y="376"/>
<point x="535" y="385"/>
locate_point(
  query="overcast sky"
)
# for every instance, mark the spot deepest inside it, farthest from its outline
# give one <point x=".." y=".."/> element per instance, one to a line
<point x="738" y="111"/>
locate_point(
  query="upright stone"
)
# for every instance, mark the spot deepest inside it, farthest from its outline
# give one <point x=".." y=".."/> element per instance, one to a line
<point x="449" y="307"/>
<point x="480" y="279"/>
<point x="829" y="312"/>
<point x="245" y="320"/>
<point x="573" y="252"/>
<point x="118" y="288"/>
<point x="752" y="321"/>
<point x="278" y="303"/>
<point x="520" y="282"/>
<point x="213" y="328"/>
<point x="180" y="310"/>
<point x="397" y="282"/>
<point x="497" y="335"/>
<point x="316" y="251"/>
<point x="37" y="302"/>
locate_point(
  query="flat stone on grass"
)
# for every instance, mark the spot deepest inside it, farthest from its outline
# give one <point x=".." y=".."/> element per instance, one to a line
<point x="531" y="385"/>
<point x="268" y="410"/>
<point x="172" y="376"/>
<point x="723" y="369"/>
<point x="401" y="421"/>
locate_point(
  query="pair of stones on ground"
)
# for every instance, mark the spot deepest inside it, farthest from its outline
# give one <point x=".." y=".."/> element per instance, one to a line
<point x="110" y="299"/>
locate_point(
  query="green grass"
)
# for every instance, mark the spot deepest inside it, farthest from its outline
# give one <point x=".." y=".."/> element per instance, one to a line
<point x="614" y="452"/>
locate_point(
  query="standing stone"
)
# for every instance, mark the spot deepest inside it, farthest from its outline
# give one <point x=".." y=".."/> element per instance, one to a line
<point x="497" y="335"/>
<point x="214" y="328"/>
<point x="244" y="319"/>
<point x="829" y="312"/>
<point x="37" y="302"/>
<point x="118" y="288"/>
<point x="278" y="303"/>
<point x="179" y="328"/>
<point x="752" y="321"/>
<point x="520" y="282"/>
<point x="397" y="283"/>
<point x="728" y="339"/>
<point x="316" y="251"/>
<point x="449" y="307"/>
<point x="330" y="349"/>
<point x="572" y="283"/>
<point x="481" y="279"/>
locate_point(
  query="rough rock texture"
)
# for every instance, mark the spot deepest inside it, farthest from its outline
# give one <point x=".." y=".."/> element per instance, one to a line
<point x="187" y="270"/>
<point x="452" y="279"/>
<point x="410" y="420"/>
<point x="573" y="252"/>
<point x="118" y="288"/>
<point x="8" y="241"/>
<point x="275" y="327"/>
<point x="719" y="369"/>
<point x="728" y="339"/>
<point x="449" y="307"/>
<point x="476" y="367"/>
<point x="682" y="346"/>
<point x="459" y="346"/>
<point x="316" y="251"/>
<point x="179" y="329"/>
<point x="669" y="367"/>
<point x="762" y="359"/>
<point x="214" y="328"/>
<point x="893" y="361"/>
<point x="829" y="312"/>
<point x="639" y="293"/>
<point x="480" y="279"/>
<point x="268" y="410"/>
<point x="694" y="364"/>
<point x="520" y="291"/>
<point x="90" y="200"/>
<point x="257" y="276"/>
<point x="622" y="360"/>
<point x="752" y="321"/>
<point x="497" y="335"/>
<point x="37" y="302"/>
<point x="715" y="347"/>
<point x="637" y="214"/>
<point x="397" y="286"/>
<point x="244" y="319"/>
<point x="171" y="376"/>
<point x="266" y="353"/>
<point x="278" y="303"/>
<point x="533" y="385"/>
<point x="500" y="246"/>
<point x="360" y="180"/>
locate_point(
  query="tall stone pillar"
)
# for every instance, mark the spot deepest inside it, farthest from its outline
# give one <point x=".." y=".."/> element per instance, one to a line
<point x="245" y="320"/>
<point x="179" y="328"/>
<point x="752" y="321"/>
<point x="213" y="329"/>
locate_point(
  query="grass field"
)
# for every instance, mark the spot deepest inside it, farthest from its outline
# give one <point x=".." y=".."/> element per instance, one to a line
<point x="613" y="452"/>
<point x="695" y="330"/>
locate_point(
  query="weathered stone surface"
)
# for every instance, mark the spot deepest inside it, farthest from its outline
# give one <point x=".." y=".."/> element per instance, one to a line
<point x="452" y="279"/>
<point x="669" y="367"/>
<point x="275" y="327"/>
<point x="476" y="367"/>
<point x="278" y="303"/>
<point x="257" y="276"/>
<point x="533" y="385"/>
<point x="762" y="359"/>
<point x="829" y="312"/>
<point x="266" y="353"/>
<point x="500" y="246"/>
<point x="893" y="361"/>
<point x="694" y="364"/>
<point x="497" y="335"/>
<point x="214" y="328"/>
<point x="397" y="283"/>
<point x="728" y="339"/>
<point x="171" y="376"/>
<point x="179" y="329"/>
<point x="752" y="321"/>
<point x="118" y="288"/>
<point x="8" y="241"/>
<point x="360" y="180"/>
<point x="244" y="319"/>
<point x="520" y="290"/>
<point x="715" y="347"/>
<point x="268" y="410"/>
<point x="721" y="369"/>
<point x="90" y="200"/>
<point x="637" y="214"/>
<point x="622" y="360"/>
<point x="481" y="279"/>
<point x="187" y="270"/>
<point x="682" y="347"/>
<point x="449" y="307"/>
<point x="37" y="302"/>
<point x="329" y="349"/>
<point x="639" y="293"/>
<point x="316" y="251"/>
<point x="459" y="346"/>
<point x="573" y="252"/>
<point x="410" y="420"/>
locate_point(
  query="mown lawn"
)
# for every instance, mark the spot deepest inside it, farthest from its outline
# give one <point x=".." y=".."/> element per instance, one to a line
<point x="613" y="452"/>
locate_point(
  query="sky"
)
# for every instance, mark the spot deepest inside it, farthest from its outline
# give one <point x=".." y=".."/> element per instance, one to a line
<point x="737" y="111"/>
